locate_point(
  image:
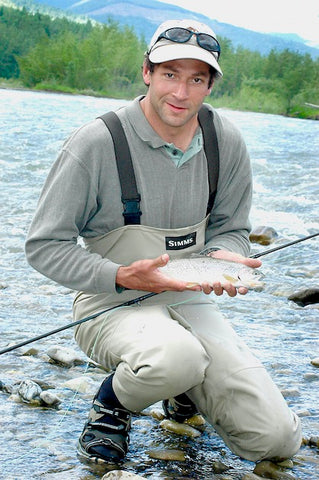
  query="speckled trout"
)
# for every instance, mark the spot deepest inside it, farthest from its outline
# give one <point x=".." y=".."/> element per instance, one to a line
<point x="198" y="269"/>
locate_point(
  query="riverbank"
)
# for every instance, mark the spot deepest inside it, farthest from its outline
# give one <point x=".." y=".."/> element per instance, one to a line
<point x="244" y="103"/>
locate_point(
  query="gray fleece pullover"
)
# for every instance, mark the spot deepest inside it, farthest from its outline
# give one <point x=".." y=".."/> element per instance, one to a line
<point x="82" y="197"/>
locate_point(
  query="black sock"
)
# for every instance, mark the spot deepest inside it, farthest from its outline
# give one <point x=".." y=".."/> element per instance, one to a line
<point x="107" y="396"/>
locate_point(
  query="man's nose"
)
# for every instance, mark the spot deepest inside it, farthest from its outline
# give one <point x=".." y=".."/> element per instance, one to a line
<point x="181" y="90"/>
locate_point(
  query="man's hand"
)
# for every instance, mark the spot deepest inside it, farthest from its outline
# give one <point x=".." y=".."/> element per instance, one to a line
<point x="144" y="275"/>
<point x="219" y="288"/>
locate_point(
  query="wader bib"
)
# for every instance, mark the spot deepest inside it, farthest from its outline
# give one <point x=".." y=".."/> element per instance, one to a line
<point x="135" y="242"/>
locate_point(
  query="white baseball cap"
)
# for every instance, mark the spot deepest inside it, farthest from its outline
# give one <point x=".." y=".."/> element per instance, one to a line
<point x="163" y="50"/>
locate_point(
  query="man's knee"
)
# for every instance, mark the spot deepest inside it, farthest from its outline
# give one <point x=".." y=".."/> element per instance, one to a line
<point x="181" y="363"/>
<point x="275" y="441"/>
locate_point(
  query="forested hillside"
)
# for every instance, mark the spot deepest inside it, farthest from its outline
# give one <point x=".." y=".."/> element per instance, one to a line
<point x="59" y="54"/>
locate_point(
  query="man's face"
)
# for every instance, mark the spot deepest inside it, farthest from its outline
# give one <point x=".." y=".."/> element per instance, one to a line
<point x="176" y="91"/>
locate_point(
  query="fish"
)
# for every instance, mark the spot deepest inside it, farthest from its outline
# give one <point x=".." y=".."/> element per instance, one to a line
<point x="198" y="269"/>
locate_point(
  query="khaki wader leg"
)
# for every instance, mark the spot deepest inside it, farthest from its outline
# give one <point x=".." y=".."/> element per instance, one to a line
<point x="238" y="397"/>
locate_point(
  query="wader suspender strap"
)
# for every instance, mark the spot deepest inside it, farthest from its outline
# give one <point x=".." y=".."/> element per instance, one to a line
<point x="206" y="121"/>
<point x="130" y="196"/>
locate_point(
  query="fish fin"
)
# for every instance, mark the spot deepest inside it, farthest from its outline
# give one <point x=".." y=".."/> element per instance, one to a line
<point x="192" y="284"/>
<point x="230" y="279"/>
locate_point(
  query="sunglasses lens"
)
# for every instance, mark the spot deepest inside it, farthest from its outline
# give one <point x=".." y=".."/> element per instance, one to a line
<point x="208" y="42"/>
<point x="178" y="35"/>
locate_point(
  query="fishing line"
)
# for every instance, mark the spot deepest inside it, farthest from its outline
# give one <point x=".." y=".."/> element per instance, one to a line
<point x="61" y="420"/>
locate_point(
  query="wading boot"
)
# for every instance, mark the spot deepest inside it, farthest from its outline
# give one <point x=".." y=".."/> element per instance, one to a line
<point x="105" y="435"/>
<point x="179" y="408"/>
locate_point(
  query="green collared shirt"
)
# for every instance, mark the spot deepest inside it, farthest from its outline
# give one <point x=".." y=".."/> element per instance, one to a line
<point x="178" y="156"/>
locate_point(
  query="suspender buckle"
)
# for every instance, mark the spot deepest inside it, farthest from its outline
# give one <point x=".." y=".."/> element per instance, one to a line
<point x="132" y="212"/>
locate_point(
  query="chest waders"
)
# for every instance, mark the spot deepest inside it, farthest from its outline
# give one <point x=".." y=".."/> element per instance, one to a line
<point x="168" y="345"/>
<point x="134" y="241"/>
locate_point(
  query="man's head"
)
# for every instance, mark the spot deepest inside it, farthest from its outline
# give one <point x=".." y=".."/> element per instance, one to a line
<point x="185" y="39"/>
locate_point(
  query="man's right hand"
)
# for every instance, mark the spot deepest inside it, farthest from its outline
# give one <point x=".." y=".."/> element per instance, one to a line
<point x="145" y="275"/>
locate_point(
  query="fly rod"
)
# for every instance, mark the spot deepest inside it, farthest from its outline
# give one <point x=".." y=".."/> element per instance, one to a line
<point x="78" y="322"/>
<point x="133" y="301"/>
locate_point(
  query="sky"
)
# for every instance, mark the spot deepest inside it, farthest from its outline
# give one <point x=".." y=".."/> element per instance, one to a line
<point x="271" y="16"/>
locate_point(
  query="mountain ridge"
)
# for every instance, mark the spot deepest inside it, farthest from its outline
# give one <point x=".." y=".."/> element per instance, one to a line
<point x="145" y="15"/>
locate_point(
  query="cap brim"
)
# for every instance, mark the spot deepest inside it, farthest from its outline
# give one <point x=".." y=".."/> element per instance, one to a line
<point x="176" y="51"/>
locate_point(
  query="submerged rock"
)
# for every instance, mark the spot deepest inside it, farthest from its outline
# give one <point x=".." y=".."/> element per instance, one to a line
<point x="167" y="454"/>
<point x="219" y="467"/>
<point x="263" y="235"/>
<point x="179" y="428"/>
<point x="315" y="362"/>
<point x="267" y="469"/>
<point x="29" y="391"/>
<point x="305" y="297"/>
<point x="50" y="399"/>
<point x="80" y="384"/>
<point x="121" y="475"/>
<point x="65" y="356"/>
<point x="251" y="476"/>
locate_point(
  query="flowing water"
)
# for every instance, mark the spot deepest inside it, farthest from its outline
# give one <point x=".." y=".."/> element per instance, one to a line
<point x="39" y="443"/>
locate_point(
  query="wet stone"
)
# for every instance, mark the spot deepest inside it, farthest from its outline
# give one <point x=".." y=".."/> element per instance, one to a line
<point x="31" y="352"/>
<point x="263" y="235"/>
<point x="179" y="428"/>
<point x="29" y="391"/>
<point x="315" y="362"/>
<point x="314" y="441"/>
<point x="157" y="414"/>
<point x="167" y="454"/>
<point x="305" y="297"/>
<point x="65" y="356"/>
<point x="251" y="476"/>
<point x="50" y="399"/>
<point x="80" y="384"/>
<point x="121" y="475"/>
<point x="195" y="421"/>
<point x="267" y="469"/>
<point x="219" y="467"/>
<point x="290" y="392"/>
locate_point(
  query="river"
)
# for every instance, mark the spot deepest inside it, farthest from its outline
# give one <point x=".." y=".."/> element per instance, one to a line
<point x="39" y="443"/>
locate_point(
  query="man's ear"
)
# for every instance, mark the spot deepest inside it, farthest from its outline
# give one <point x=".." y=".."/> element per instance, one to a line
<point x="146" y="74"/>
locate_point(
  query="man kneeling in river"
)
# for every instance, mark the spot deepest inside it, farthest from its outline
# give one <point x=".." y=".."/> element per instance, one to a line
<point x="177" y="346"/>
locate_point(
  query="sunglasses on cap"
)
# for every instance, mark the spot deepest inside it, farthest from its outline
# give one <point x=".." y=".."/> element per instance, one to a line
<point x="183" y="35"/>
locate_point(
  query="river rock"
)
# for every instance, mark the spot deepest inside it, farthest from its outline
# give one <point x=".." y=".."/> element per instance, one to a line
<point x="169" y="454"/>
<point x="263" y="235"/>
<point x="251" y="476"/>
<point x="267" y="469"/>
<point x="80" y="384"/>
<point x="157" y="414"/>
<point x="65" y="356"/>
<point x="179" y="428"/>
<point x="50" y="399"/>
<point x="305" y="297"/>
<point x="121" y="475"/>
<point x="315" y="362"/>
<point x="29" y="391"/>
<point x="219" y="467"/>
<point x="195" y="421"/>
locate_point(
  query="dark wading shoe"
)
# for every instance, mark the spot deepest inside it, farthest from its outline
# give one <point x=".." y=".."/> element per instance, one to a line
<point x="105" y="437"/>
<point x="179" y="408"/>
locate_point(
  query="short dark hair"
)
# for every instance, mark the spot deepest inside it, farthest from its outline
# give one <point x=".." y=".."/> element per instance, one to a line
<point x="151" y="66"/>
